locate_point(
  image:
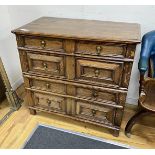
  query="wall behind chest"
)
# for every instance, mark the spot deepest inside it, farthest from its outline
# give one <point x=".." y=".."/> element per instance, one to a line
<point x="8" y="48"/>
<point x="20" y="15"/>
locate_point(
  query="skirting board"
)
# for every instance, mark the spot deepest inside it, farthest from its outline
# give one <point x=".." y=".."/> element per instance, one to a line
<point x="132" y="101"/>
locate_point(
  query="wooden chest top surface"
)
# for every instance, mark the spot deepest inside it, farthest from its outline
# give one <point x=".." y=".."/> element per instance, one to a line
<point x="82" y="29"/>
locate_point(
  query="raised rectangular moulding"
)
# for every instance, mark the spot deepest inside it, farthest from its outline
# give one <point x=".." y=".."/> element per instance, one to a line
<point x="112" y="96"/>
<point x="45" y="85"/>
<point x="101" y="49"/>
<point x="43" y="43"/>
<point x="103" y="72"/>
<point x="50" y="102"/>
<point x="96" y="113"/>
<point x="41" y="63"/>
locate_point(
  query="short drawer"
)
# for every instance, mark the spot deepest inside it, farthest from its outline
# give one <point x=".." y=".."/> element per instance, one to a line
<point x="102" y="96"/>
<point x="101" y="49"/>
<point x="50" y="102"/>
<point x="107" y="72"/>
<point x="44" y="85"/>
<point x="51" y="65"/>
<point x="44" y="43"/>
<point x="95" y="113"/>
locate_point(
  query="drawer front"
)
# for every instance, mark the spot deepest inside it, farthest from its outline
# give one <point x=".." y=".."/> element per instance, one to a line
<point x="95" y="113"/>
<point x="44" y="43"/>
<point x="52" y="65"/>
<point x="103" y="96"/>
<point x="50" y="102"/>
<point x="100" y="49"/>
<point x="53" y="87"/>
<point x="108" y="72"/>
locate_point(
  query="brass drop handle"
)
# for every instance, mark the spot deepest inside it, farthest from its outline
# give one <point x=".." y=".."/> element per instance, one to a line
<point x="56" y="71"/>
<point x="45" y="65"/>
<point x="48" y="102"/>
<point x="98" y="50"/>
<point x="47" y="85"/>
<point x="97" y="72"/>
<point x="94" y="112"/>
<point x="43" y="43"/>
<point x="95" y="94"/>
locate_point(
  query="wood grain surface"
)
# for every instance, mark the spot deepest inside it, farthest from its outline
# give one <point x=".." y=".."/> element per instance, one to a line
<point x="82" y="29"/>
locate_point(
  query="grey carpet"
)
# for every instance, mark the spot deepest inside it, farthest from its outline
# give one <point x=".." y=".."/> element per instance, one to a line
<point x="49" y="138"/>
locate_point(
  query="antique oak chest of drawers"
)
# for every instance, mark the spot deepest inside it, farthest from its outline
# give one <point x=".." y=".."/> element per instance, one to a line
<point x="78" y="68"/>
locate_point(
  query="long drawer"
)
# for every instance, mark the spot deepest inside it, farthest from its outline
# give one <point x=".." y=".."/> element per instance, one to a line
<point x="105" y="72"/>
